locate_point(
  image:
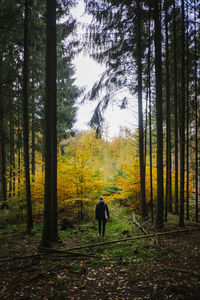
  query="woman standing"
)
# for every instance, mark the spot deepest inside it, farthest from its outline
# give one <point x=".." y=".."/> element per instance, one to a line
<point x="101" y="214"/>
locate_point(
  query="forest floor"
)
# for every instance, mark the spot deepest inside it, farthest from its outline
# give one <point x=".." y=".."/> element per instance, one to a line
<point x="164" y="267"/>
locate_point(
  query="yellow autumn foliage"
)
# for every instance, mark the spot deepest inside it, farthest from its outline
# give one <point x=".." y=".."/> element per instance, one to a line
<point x="88" y="167"/>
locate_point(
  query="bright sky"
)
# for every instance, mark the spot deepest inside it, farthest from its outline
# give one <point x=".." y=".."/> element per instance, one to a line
<point x="87" y="73"/>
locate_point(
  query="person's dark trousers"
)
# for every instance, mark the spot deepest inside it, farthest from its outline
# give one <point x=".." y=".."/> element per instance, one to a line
<point x="103" y="223"/>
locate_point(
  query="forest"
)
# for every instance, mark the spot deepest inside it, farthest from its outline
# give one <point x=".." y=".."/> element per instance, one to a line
<point x="52" y="175"/>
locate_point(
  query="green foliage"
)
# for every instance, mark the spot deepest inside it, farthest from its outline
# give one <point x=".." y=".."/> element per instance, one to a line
<point x="148" y="254"/>
<point x="77" y="269"/>
<point x="11" y="78"/>
<point x="119" y="255"/>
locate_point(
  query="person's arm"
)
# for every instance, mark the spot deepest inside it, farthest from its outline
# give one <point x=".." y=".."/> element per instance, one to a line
<point x="107" y="211"/>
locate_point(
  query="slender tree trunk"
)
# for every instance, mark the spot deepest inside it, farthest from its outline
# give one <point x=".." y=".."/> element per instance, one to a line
<point x="145" y="131"/>
<point x="196" y="118"/>
<point x="53" y="54"/>
<point x="140" y="114"/>
<point x="19" y="142"/>
<point x="33" y="147"/>
<point x="167" y="106"/>
<point x="175" y="109"/>
<point x="150" y="133"/>
<point x="12" y="151"/>
<point x="182" y="117"/>
<point x="50" y="230"/>
<point x="158" y="74"/>
<point x="187" y="118"/>
<point x="26" y="122"/>
<point x="3" y="159"/>
<point x="2" y="139"/>
<point x="168" y="204"/>
<point x="13" y="161"/>
<point x="11" y="146"/>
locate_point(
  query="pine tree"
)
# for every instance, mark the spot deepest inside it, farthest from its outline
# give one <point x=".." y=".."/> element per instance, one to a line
<point x="158" y="74"/>
<point x="26" y="121"/>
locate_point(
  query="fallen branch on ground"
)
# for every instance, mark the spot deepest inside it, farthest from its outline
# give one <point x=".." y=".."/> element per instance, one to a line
<point x="141" y="226"/>
<point x="49" y="250"/>
<point x="20" y="257"/>
<point x="132" y="239"/>
<point x="52" y="250"/>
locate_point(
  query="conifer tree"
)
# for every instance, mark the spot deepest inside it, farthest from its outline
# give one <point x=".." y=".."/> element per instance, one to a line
<point x="159" y="112"/>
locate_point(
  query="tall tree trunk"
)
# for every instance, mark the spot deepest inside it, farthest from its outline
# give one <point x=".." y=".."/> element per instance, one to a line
<point x="3" y="159"/>
<point x="196" y="119"/>
<point x="145" y="130"/>
<point x="50" y="230"/>
<point x="2" y="140"/>
<point x="11" y="147"/>
<point x="187" y="119"/>
<point x="19" y="143"/>
<point x="159" y="120"/>
<point x="168" y="204"/>
<point x="13" y="163"/>
<point x="175" y="109"/>
<point x="150" y="133"/>
<point x="140" y="114"/>
<point x="182" y="117"/>
<point x="33" y="147"/>
<point x="26" y="122"/>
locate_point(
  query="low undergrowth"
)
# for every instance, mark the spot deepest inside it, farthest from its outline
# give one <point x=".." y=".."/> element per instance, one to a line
<point x="154" y="268"/>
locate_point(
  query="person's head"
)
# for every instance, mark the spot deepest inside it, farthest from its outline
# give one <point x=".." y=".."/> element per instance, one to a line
<point x="101" y="198"/>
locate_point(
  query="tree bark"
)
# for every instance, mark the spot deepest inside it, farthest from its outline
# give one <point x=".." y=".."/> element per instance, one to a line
<point x="26" y="121"/>
<point x="196" y="120"/>
<point x="159" y="120"/>
<point x="19" y="143"/>
<point x="150" y="129"/>
<point x="187" y="120"/>
<point x="182" y="117"/>
<point x="11" y="147"/>
<point x="140" y="114"/>
<point x="50" y="228"/>
<point x="175" y="109"/>
<point x="3" y="161"/>
<point x="2" y="141"/>
<point x="168" y="206"/>
<point x="33" y="147"/>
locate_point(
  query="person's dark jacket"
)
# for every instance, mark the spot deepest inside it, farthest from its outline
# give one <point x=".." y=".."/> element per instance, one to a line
<point x="100" y="210"/>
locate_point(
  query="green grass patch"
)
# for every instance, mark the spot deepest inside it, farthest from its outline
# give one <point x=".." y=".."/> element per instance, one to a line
<point x="148" y="254"/>
<point x="96" y="262"/>
<point x="13" y="228"/>
<point x="119" y="254"/>
<point x="76" y="269"/>
<point x="119" y="226"/>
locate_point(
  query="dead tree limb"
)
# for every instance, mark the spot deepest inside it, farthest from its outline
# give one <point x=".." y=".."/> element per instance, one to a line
<point x="141" y="226"/>
<point x="132" y="239"/>
<point x="60" y="251"/>
<point x="47" y="250"/>
<point x="20" y="257"/>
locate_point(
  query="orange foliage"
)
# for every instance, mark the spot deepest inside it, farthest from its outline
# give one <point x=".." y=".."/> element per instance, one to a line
<point x="87" y="167"/>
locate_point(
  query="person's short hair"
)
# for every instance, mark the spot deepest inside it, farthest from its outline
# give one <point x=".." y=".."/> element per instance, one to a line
<point x="101" y="198"/>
